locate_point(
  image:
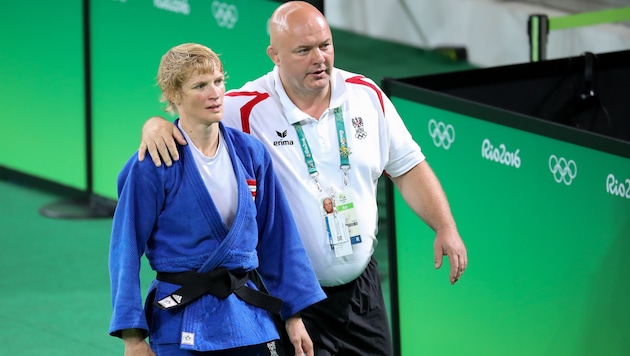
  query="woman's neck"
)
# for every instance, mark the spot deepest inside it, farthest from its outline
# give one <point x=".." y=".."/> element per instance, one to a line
<point x="205" y="137"/>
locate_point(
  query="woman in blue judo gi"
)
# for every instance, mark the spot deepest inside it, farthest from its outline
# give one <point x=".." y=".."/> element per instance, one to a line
<point x="216" y="229"/>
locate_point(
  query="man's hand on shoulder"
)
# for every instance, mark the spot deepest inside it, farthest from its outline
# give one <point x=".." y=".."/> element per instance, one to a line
<point x="158" y="138"/>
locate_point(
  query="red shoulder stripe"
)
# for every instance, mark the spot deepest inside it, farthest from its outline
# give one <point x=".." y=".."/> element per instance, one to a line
<point x="246" y="109"/>
<point x="359" y="80"/>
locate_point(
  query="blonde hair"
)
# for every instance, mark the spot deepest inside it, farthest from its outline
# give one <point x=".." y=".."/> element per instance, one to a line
<point x="178" y="65"/>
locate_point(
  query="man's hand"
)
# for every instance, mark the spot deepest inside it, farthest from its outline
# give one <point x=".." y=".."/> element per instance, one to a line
<point x="158" y="137"/>
<point x="449" y="243"/>
<point x="422" y="191"/>
<point x="135" y="345"/>
<point x="299" y="336"/>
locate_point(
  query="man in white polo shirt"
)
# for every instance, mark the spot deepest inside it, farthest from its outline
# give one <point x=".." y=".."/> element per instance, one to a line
<point x="332" y="134"/>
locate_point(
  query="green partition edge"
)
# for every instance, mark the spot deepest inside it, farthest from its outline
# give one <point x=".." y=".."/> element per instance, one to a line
<point x="546" y="257"/>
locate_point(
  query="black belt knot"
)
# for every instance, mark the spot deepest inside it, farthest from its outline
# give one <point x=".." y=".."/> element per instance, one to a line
<point x="220" y="283"/>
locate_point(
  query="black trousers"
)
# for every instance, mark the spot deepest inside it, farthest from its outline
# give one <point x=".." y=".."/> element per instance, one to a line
<point x="352" y="321"/>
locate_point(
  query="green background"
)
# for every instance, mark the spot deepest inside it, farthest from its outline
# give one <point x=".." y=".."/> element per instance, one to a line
<point x="41" y="90"/>
<point x="42" y="78"/>
<point x="128" y="40"/>
<point x="547" y="260"/>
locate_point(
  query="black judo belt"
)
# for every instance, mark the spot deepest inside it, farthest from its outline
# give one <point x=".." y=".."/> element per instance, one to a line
<point x="220" y="283"/>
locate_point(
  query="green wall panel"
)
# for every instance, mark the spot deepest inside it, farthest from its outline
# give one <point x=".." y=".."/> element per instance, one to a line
<point x="546" y="250"/>
<point x="128" y="40"/>
<point x="41" y="90"/>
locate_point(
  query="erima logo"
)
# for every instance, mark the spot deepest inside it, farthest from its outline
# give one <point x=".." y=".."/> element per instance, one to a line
<point x="282" y="142"/>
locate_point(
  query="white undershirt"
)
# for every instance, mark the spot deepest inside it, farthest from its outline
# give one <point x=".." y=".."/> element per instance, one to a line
<point x="218" y="174"/>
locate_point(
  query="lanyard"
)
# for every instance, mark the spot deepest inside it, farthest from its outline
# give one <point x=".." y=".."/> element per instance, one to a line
<point x="344" y="151"/>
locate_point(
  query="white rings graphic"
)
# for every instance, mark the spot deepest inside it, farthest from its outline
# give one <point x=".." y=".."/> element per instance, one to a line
<point x="442" y="135"/>
<point x="563" y="170"/>
<point x="225" y="14"/>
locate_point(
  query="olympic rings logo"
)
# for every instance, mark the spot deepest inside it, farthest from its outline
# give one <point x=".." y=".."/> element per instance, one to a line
<point x="225" y="14"/>
<point x="442" y="135"/>
<point x="563" y="170"/>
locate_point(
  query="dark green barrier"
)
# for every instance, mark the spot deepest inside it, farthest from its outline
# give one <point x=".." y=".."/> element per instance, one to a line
<point x="545" y="212"/>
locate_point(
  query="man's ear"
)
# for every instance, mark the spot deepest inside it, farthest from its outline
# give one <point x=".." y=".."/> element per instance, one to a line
<point x="273" y="54"/>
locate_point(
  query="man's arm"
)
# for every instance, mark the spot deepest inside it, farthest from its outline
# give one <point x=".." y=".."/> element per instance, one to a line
<point x="158" y="137"/>
<point x="422" y="191"/>
<point x="299" y="336"/>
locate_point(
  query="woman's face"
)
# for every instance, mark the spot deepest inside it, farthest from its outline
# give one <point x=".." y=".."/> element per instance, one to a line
<point x="328" y="205"/>
<point x="202" y="98"/>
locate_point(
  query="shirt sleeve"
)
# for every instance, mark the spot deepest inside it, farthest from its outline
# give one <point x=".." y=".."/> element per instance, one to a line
<point x="404" y="152"/>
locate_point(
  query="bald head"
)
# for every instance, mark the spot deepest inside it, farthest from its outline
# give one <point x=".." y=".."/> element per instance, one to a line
<point x="301" y="48"/>
<point x="295" y="18"/>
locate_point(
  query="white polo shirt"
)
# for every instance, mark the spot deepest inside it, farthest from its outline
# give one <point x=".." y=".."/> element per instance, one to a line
<point x="377" y="138"/>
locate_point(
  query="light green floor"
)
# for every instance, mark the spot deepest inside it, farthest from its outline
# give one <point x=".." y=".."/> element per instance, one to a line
<point x="53" y="272"/>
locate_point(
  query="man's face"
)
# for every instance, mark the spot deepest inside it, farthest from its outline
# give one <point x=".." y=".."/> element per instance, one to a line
<point x="305" y="56"/>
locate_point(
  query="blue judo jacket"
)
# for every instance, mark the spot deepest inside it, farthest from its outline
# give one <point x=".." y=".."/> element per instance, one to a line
<point x="167" y="214"/>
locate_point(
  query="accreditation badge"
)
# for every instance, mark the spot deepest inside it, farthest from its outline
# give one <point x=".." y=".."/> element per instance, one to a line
<point x="345" y="205"/>
<point x="340" y="219"/>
